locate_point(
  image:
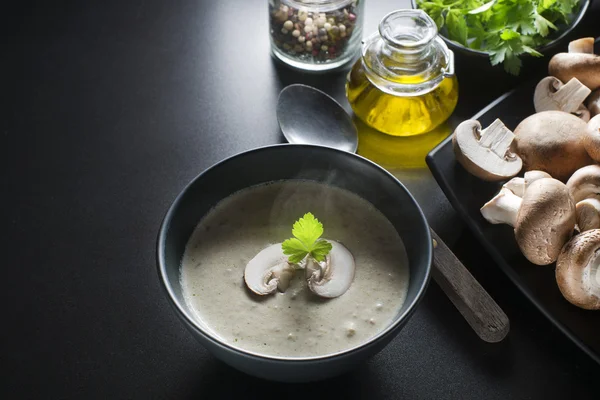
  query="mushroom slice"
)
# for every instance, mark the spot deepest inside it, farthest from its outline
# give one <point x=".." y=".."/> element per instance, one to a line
<point x="332" y="277"/>
<point x="578" y="270"/>
<point x="579" y="62"/>
<point x="592" y="140"/>
<point x="486" y="153"/>
<point x="552" y="141"/>
<point x="585" y="183"/>
<point x="503" y="208"/>
<point x="269" y="270"/>
<point x="519" y="185"/>
<point x="588" y="214"/>
<point x="552" y="94"/>
<point x="593" y="103"/>
<point x="546" y="220"/>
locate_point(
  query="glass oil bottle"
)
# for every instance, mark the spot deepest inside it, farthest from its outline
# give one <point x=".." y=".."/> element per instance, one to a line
<point x="404" y="83"/>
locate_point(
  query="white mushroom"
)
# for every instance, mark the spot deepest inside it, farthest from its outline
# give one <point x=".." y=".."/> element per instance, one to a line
<point x="486" y="153"/>
<point x="578" y="270"/>
<point x="588" y="214"/>
<point x="332" y="277"/>
<point x="519" y="185"/>
<point x="269" y="270"/>
<point x="552" y="94"/>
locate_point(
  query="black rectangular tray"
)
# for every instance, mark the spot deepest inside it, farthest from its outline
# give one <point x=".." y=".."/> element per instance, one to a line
<point x="467" y="194"/>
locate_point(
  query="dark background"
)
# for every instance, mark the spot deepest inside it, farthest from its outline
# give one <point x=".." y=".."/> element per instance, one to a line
<point x="108" y="109"/>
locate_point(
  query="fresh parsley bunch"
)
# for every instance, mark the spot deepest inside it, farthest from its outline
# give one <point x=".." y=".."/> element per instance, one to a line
<point x="504" y="29"/>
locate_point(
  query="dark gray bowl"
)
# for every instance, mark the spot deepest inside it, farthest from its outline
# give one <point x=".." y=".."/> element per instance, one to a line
<point x="281" y="162"/>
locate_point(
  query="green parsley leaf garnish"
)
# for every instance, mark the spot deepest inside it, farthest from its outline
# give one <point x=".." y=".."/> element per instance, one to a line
<point x="505" y="29"/>
<point x="307" y="231"/>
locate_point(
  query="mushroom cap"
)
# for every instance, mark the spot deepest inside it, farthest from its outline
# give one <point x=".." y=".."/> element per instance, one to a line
<point x="546" y="220"/>
<point x="585" y="183"/>
<point x="552" y="141"/>
<point x="592" y="140"/>
<point x="335" y="274"/>
<point x="588" y="214"/>
<point x="268" y="270"/>
<point x="582" y="66"/>
<point x="576" y="270"/>
<point x="486" y="153"/>
<point x="593" y="103"/>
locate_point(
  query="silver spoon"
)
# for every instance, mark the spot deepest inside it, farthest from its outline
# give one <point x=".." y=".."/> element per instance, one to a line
<point x="308" y="116"/>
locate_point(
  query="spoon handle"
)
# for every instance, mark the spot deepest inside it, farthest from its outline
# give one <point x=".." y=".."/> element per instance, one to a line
<point x="475" y="304"/>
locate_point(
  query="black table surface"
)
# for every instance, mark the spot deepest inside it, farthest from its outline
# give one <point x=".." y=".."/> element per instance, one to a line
<point x="109" y="109"/>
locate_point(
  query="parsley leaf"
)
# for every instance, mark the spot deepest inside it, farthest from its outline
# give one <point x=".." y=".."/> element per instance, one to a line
<point x="505" y="29"/>
<point x="307" y="231"/>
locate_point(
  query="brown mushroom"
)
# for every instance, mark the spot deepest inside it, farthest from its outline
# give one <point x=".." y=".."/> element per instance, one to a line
<point x="592" y="140"/>
<point x="588" y="214"/>
<point x="552" y="141"/>
<point x="579" y="62"/>
<point x="551" y="94"/>
<point x="578" y="270"/>
<point x="593" y="103"/>
<point x="486" y="153"/>
<point x="585" y="183"/>
<point x="544" y="219"/>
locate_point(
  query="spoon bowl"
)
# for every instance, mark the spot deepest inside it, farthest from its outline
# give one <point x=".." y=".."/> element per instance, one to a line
<point x="308" y="116"/>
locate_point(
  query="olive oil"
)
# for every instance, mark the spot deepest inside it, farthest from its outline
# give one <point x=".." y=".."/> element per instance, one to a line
<point x="400" y="115"/>
<point x="404" y="83"/>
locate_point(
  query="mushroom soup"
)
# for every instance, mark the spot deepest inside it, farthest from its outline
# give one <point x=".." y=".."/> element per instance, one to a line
<point x="340" y="302"/>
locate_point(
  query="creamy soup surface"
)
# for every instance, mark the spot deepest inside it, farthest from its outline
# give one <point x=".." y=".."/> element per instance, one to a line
<point x="296" y="323"/>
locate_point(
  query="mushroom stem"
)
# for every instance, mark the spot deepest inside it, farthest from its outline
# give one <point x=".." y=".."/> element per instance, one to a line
<point x="583" y="45"/>
<point x="282" y="274"/>
<point x="497" y="137"/>
<point x="332" y="277"/>
<point x="588" y="214"/>
<point x="503" y="208"/>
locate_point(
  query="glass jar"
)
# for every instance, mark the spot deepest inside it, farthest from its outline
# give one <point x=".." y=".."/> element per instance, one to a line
<point x="404" y="84"/>
<point x="316" y="35"/>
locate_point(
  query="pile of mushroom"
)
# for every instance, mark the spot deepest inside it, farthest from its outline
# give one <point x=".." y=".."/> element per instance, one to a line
<point x="559" y="143"/>
<point x="270" y="270"/>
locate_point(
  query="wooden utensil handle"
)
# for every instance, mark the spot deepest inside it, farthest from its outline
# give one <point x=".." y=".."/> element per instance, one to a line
<point x="475" y="304"/>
